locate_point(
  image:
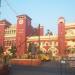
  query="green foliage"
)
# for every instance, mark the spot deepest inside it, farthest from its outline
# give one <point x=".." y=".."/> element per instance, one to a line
<point x="13" y="50"/>
<point x="49" y="32"/>
<point x="1" y="50"/>
<point x="32" y="47"/>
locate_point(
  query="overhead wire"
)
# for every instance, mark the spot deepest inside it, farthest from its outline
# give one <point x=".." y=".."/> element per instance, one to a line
<point x="16" y="14"/>
<point x="11" y="8"/>
<point x="0" y="9"/>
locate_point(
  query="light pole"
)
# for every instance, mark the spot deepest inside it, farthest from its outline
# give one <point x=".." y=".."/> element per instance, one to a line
<point x="39" y="37"/>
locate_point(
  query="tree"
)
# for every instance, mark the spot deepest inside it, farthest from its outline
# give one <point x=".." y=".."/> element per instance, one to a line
<point x="49" y="32"/>
<point x="1" y="50"/>
<point x="32" y="49"/>
<point x="30" y="46"/>
<point x="13" y="50"/>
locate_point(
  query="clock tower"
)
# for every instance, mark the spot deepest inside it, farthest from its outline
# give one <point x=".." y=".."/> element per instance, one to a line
<point x="21" y="34"/>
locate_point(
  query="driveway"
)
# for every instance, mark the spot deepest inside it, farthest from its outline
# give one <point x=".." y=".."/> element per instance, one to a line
<point x="46" y="68"/>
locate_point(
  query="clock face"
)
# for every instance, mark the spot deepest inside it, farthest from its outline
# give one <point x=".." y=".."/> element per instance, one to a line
<point x="20" y="21"/>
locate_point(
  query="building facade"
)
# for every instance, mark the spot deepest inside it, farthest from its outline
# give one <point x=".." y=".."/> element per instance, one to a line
<point x="22" y="33"/>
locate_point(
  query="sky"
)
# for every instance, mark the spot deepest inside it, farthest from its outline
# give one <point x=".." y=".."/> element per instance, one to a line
<point x="44" y="12"/>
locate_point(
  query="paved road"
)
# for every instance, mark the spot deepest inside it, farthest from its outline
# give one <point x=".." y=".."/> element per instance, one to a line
<point x="46" y="68"/>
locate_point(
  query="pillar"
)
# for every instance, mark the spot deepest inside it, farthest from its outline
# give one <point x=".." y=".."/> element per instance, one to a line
<point x="61" y="36"/>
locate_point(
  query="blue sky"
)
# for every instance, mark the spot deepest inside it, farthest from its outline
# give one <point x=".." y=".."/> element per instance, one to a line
<point x="45" y="12"/>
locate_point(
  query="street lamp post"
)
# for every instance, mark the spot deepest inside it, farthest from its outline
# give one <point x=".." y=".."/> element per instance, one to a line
<point x="39" y="36"/>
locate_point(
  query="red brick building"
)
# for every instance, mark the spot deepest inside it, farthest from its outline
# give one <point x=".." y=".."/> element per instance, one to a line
<point x="23" y="32"/>
<point x="17" y="34"/>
